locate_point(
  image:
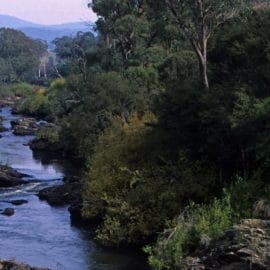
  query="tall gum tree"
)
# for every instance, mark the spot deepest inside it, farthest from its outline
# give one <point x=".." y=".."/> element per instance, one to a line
<point x="198" y="19"/>
<point x="123" y="25"/>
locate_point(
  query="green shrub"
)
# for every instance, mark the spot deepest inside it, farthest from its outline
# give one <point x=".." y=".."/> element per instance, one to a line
<point x="16" y="89"/>
<point x="200" y="223"/>
<point x="211" y="220"/>
<point x="124" y="174"/>
<point x="49" y="133"/>
<point x="22" y="89"/>
<point x="35" y="104"/>
<point x="170" y="251"/>
<point x="139" y="187"/>
<point x="197" y="225"/>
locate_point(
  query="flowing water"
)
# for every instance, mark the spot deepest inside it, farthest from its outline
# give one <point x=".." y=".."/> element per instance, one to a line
<point x="42" y="235"/>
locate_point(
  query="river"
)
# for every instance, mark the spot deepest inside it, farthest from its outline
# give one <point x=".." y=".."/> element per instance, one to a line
<point x="39" y="234"/>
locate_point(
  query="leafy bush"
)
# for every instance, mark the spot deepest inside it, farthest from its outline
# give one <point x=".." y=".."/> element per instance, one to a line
<point x="170" y="250"/>
<point x="197" y="225"/>
<point x="35" y="104"/>
<point x="122" y="176"/>
<point x="16" y="89"/>
<point x="200" y="223"/>
<point x="49" y="133"/>
<point x="138" y="188"/>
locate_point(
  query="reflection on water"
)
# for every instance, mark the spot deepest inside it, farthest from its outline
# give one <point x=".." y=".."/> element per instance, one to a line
<point x="42" y="235"/>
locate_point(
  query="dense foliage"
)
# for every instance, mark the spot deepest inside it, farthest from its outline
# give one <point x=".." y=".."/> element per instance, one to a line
<point x="200" y="140"/>
<point x="19" y="56"/>
<point x="154" y="142"/>
<point x="73" y="51"/>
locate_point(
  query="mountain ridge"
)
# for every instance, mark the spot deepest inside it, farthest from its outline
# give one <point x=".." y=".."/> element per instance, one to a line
<point x="14" y="22"/>
<point x="45" y="32"/>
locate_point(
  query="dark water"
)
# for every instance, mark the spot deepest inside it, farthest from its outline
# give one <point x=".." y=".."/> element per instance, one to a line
<point x="42" y="235"/>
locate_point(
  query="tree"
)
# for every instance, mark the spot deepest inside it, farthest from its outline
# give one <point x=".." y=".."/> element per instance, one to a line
<point x="124" y="26"/>
<point x="73" y="51"/>
<point x="198" y="19"/>
<point x="20" y="56"/>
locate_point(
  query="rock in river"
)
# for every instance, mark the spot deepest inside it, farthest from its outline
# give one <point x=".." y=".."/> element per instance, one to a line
<point x="11" y="265"/>
<point x="18" y="202"/>
<point x="43" y="144"/>
<point x="10" y="177"/>
<point x="15" y="202"/>
<point x="70" y="193"/>
<point x="24" y="126"/>
<point x="64" y="194"/>
<point x="8" y="212"/>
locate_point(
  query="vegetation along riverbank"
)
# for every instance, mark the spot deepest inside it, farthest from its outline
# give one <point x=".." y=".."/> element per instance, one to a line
<point x="166" y="110"/>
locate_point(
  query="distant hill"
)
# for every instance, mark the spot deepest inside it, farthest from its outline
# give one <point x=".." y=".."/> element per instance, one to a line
<point x="13" y="22"/>
<point x="44" y="32"/>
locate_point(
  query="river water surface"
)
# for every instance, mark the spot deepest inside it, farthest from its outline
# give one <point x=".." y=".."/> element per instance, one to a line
<point x="39" y="234"/>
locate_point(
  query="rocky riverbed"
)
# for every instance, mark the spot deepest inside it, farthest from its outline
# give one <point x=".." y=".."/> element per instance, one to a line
<point x="33" y="231"/>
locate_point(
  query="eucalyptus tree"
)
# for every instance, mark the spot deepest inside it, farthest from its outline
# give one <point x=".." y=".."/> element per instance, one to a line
<point x="198" y="19"/>
<point x="124" y="25"/>
<point x="73" y="51"/>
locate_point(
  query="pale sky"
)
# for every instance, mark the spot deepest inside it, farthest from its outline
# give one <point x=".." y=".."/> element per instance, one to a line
<point x="48" y="11"/>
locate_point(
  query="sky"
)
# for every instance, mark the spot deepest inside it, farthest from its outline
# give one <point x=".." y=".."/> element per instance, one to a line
<point x="48" y="11"/>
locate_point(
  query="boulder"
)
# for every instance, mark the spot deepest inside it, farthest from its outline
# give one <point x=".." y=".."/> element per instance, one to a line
<point x="70" y="193"/>
<point x="24" y="126"/>
<point x="18" y="202"/>
<point x="15" y="202"/>
<point x="65" y="194"/>
<point x="2" y="128"/>
<point x="243" y="247"/>
<point x="39" y="144"/>
<point x="8" y="212"/>
<point x="11" y="265"/>
<point x="43" y="144"/>
<point x="10" y="177"/>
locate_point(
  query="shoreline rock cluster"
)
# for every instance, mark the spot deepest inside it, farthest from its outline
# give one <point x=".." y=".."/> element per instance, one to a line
<point x="245" y="246"/>
<point x="10" y="177"/>
<point x="43" y="144"/>
<point x="69" y="193"/>
<point x="10" y="102"/>
<point x="25" y="126"/>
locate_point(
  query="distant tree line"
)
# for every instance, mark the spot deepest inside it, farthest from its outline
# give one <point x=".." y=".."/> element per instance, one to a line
<point x="19" y="56"/>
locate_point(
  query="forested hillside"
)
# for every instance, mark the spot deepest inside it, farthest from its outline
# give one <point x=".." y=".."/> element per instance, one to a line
<point x="19" y="56"/>
<point x="168" y="114"/>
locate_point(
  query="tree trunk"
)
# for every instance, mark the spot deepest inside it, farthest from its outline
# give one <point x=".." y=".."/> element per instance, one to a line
<point x="201" y="51"/>
<point x="203" y="73"/>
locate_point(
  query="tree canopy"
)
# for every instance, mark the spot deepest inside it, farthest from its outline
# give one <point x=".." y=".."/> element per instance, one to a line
<point x="19" y="56"/>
